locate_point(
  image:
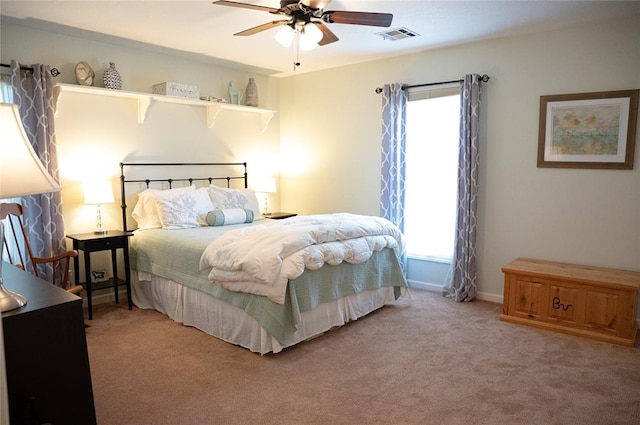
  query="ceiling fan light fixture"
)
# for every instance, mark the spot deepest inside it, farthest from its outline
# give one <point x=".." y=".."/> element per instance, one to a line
<point x="305" y="27"/>
<point x="310" y="35"/>
<point x="285" y="35"/>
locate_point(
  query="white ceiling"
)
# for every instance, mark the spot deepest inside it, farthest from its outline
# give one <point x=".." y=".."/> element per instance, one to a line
<point x="201" y="28"/>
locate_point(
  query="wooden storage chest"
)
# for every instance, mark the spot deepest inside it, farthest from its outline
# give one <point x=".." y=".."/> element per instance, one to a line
<point x="594" y="302"/>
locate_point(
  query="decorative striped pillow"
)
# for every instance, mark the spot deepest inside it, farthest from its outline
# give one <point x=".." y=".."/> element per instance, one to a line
<point x="223" y="217"/>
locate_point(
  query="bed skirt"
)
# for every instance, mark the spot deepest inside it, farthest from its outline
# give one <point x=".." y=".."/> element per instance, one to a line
<point x="231" y="324"/>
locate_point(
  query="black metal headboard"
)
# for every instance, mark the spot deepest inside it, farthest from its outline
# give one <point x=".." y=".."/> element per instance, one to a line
<point x="195" y="168"/>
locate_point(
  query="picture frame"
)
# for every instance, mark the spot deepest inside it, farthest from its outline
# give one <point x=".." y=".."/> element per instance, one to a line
<point x="99" y="276"/>
<point x="588" y="130"/>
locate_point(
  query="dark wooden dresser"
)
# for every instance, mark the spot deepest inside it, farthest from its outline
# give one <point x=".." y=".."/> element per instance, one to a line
<point x="47" y="363"/>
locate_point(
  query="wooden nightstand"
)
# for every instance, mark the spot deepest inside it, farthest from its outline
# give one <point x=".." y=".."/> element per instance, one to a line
<point x="111" y="241"/>
<point x="279" y="215"/>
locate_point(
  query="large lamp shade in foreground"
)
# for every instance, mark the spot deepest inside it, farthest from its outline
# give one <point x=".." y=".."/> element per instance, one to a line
<point x="21" y="174"/>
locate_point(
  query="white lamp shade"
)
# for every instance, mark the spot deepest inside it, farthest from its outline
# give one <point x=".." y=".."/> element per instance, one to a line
<point x="266" y="185"/>
<point x="21" y="172"/>
<point x="98" y="192"/>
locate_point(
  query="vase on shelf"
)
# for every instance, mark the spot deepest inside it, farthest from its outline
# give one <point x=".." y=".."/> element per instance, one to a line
<point x="252" y="93"/>
<point x="112" y="79"/>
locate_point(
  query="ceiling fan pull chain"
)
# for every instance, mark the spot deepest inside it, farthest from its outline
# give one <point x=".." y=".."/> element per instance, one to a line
<point x="296" y="48"/>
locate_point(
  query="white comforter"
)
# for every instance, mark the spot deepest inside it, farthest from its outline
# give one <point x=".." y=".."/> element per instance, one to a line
<point x="261" y="259"/>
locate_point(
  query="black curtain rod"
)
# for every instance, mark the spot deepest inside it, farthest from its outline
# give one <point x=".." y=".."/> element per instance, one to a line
<point x="484" y="78"/>
<point x="54" y="71"/>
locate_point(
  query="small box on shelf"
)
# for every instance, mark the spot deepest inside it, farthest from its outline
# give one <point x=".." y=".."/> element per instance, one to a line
<point x="177" y="90"/>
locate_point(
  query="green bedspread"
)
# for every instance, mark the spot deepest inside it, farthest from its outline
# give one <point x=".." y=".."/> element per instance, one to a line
<point x="175" y="255"/>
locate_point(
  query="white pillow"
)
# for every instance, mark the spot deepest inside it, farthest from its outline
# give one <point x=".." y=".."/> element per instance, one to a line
<point x="145" y="212"/>
<point x="185" y="210"/>
<point x="224" y="198"/>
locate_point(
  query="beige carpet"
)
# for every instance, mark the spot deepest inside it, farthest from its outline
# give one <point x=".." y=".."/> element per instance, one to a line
<point x="426" y="360"/>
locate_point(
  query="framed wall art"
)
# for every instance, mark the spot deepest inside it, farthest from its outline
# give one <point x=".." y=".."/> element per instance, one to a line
<point x="588" y="130"/>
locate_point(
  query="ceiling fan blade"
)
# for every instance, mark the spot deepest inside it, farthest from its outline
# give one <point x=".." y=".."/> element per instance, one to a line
<point x="246" y="6"/>
<point x="316" y="4"/>
<point x="358" y="18"/>
<point x="327" y="35"/>
<point x="262" y="27"/>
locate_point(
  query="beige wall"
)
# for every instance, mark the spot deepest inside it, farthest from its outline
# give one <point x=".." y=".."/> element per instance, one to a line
<point x="327" y="135"/>
<point x="95" y="133"/>
<point x="332" y="118"/>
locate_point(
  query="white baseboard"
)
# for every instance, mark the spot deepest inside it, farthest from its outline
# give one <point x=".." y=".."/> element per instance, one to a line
<point x="425" y="285"/>
<point x="435" y="287"/>
<point x="494" y="298"/>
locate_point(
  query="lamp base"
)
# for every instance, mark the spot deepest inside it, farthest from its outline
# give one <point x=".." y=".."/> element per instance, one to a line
<point x="10" y="300"/>
<point x="100" y="232"/>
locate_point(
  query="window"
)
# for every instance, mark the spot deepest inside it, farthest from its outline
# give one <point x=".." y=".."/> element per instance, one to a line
<point x="432" y="133"/>
<point x="6" y="90"/>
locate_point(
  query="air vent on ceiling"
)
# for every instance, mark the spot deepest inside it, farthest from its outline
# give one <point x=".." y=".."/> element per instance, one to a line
<point x="398" y="34"/>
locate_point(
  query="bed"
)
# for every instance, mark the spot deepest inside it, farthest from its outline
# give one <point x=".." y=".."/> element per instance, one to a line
<point x="312" y="280"/>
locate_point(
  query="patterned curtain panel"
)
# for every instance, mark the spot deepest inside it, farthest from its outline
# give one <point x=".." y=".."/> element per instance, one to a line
<point x="394" y="111"/>
<point x="461" y="281"/>
<point x="33" y="93"/>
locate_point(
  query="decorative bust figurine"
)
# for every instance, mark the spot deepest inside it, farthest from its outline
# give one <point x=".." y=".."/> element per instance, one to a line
<point x="84" y="74"/>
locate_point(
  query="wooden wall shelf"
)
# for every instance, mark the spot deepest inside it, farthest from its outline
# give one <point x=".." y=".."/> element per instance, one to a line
<point x="144" y="100"/>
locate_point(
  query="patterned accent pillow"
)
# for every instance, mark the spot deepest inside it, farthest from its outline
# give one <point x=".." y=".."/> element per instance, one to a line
<point x="187" y="210"/>
<point x="145" y="213"/>
<point x="223" y="198"/>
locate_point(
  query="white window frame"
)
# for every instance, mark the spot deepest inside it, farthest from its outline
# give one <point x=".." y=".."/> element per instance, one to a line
<point x="421" y="93"/>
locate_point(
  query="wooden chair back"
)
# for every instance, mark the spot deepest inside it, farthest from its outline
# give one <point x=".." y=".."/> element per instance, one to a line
<point x="23" y="255"/>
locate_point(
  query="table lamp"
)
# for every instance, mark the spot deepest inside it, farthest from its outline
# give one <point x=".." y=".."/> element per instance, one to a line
<point x="266" y="186"/>
<point x="97" y="193"/>
<point x="21" y="174"/>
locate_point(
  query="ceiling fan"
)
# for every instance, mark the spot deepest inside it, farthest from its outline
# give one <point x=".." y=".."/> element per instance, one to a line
<point x="304" y="12"/>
